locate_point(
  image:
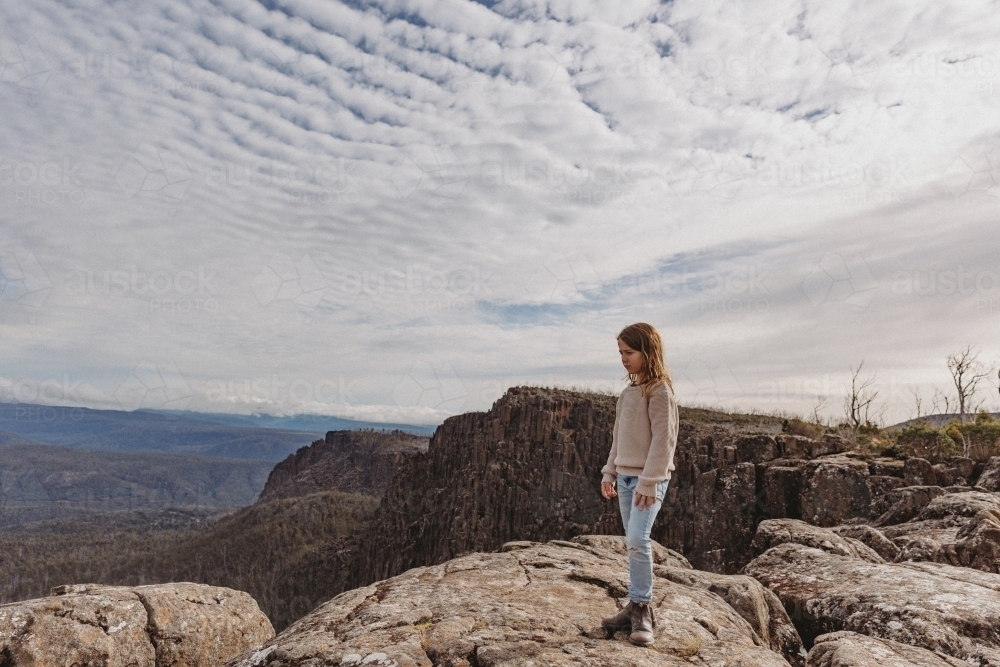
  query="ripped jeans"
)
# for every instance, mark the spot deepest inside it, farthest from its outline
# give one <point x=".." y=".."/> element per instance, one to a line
<point x="638" y="523"/>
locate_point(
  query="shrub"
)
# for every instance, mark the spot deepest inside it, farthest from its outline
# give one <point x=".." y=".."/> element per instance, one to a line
<point x="925" y="441"/>
<point x="978" y="440"/>
<point x="797" y="426"/>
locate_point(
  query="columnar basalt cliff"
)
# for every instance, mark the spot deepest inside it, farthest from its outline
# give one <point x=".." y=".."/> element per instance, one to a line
<point x="529" y="468"/>
<point x="347" y="461"/>
<point x="523" y="470"/>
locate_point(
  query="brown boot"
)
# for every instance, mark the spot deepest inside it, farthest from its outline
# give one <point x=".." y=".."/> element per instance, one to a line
<point x="621" y="620"/>
<point x="643" y="622"/>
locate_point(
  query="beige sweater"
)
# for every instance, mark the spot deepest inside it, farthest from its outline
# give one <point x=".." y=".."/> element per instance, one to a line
<point x="644" y="437"/>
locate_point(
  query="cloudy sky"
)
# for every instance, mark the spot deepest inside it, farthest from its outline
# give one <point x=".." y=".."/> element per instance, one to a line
<point x="394" y="210"/>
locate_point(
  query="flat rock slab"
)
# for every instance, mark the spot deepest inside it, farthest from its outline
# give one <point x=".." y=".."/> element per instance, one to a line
<point x="531" y="604"/>
<point x="175" y="625"/>
<point x="943" y="608"/>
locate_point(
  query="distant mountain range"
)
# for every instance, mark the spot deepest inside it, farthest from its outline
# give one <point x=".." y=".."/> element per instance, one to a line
<point x="311" y="423"/>
<point x="181" y="432"/>
<point x="46" y="481"/>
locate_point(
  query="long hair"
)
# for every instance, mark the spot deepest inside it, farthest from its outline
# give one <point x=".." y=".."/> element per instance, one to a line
<point x="646" y="339"/>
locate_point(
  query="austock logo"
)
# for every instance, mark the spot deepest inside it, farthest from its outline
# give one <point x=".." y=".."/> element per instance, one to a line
<point x="428" y="169"/>
<point x="710" y="378"/>
<point x="22" y="281"/>
<point x="975" y="169"/>
<point x="158" y="171"/>
<point x="834" y="279"/>
<point x="560" y="276"/>
<point x="152" y="387"/>
<point x="24" y="64"/>
<point x="426" y="386"/>
<point x="299" y="281"/>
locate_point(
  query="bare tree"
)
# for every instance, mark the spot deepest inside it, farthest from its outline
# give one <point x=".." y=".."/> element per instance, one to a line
<point x="966" y="373"/>
<point x="858" y="403"/>
<point x="821" y="402"/>
<point x="940" y="403"/>
<point x="917" y="398"/>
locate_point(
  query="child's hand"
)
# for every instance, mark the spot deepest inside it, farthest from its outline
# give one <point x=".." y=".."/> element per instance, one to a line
<point x="608" y="490"/>
<point x="642" y="502"/>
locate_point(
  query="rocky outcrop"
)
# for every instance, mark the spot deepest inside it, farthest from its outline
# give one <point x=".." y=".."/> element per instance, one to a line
<point x="537" y="604"/>
<point x="756" y="604"/>
<point x="959" y="528"/>
<point x="850" y="649"/>
<point x="772" y="532"/>
<point x="872" y="538"/>
<point x="169" y="625"/>
<point x="952" y="610"/>
<point x="347" y="461"/>
<point x="529" y="468"/>
<point x="959" y="471"/>
<point x="989" y="479"/>
<point x="903" y="504"/>
<point x="835" y="489"/>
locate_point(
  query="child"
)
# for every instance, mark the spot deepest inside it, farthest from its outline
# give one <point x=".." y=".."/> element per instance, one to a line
<point x="642" y="455"/>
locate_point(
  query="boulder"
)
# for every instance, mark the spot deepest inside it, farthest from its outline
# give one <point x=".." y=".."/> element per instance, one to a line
<point x="872" y="537"/>
<point x="955" y="526"/>
<point x="835" y="489"/>
<point x="932" y="533"/>
<point x="904" y="503"/>
<point x="885" y="467"/>
<point x="964" y="504"/>
<point x="947" y="573"/>
<point x="167" y="625"/>
<point x="756" y="604"/>
<point x="880" y="487"/>
<point x="829" y="444"/>
<point x="756" y="449"/>
<point x="958" y="472"/>
<point x="919" y="472"/>
<point x="989" y="479"/>
<point x="772" y="532"/>
<point x="529" y="604"/>
<point x="975" y="545"/>
<point x="938" y="607"/>
<point x="945" y="475"/>
<point x="850" y="649"/>
<point x="794" y="446"/>
<point x="964" y="468"/>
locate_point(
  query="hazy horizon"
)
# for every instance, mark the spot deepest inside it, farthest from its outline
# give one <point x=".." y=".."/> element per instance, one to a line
<point x="392" y="211"/>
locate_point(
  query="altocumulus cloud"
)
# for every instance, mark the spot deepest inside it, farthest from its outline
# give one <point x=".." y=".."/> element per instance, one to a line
<point x="395" y="210"/>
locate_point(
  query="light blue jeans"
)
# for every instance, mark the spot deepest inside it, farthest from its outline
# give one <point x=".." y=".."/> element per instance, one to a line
<point x="638" y="523"/>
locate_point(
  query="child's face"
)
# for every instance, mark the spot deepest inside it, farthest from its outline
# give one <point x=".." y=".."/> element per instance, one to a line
<point x="632" y="360"/>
